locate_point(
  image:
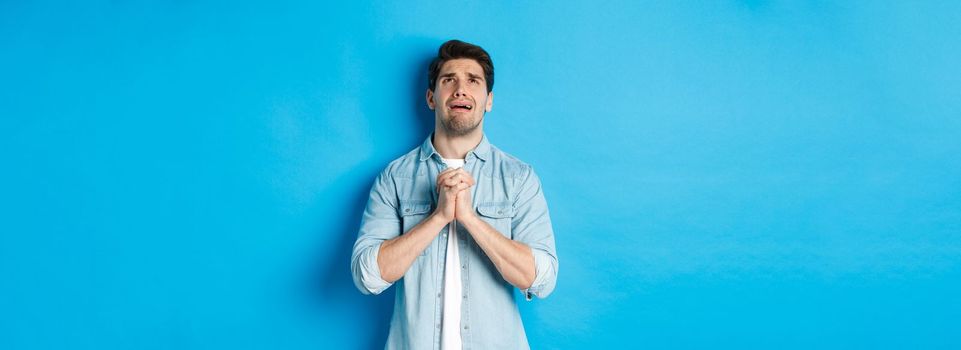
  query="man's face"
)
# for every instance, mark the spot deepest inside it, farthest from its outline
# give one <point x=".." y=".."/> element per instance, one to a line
<point x="460" y="97"/>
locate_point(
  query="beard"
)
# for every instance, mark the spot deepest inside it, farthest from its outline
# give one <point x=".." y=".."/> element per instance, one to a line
<point x="460" y="125"/>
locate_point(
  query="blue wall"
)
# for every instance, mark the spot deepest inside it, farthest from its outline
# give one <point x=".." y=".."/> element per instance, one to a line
<point x="725" y="174"/>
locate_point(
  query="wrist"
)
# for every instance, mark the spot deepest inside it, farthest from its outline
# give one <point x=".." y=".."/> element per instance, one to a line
<point x="439" y="219"/>
<point x="469" y="220"/>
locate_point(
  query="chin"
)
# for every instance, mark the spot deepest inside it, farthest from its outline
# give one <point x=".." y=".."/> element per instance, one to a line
<point x="455" y="128"/>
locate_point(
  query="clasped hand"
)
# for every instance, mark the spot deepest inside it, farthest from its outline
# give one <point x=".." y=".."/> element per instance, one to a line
<point x="453" y="192"/>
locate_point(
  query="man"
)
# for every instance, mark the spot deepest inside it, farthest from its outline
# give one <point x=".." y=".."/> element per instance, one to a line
<point x="456" y="223"/>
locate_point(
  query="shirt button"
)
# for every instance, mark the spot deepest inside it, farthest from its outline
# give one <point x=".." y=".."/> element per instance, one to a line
<point x="465" y="266"/>
<point x="499" y="211"/>
<point x="438" y="295"/>
<point x="466" y="327"/>
<point x="407" y="210"/>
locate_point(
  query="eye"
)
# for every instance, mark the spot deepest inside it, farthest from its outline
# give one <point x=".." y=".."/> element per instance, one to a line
<point x="447" y="80"/>
<point x="474" y="81"/>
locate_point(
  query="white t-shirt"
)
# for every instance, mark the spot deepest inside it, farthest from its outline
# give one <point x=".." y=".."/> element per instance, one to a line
<point x="450" y="326"/>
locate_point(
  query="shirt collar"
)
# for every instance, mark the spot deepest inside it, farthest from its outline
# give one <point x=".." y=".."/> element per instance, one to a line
<point x="482" y="151"/>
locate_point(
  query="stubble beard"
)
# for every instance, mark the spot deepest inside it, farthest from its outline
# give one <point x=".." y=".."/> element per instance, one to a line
<point x="460" y="125"/>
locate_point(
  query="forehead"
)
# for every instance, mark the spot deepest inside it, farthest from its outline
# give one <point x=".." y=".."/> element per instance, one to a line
<point x="462" y="66"/>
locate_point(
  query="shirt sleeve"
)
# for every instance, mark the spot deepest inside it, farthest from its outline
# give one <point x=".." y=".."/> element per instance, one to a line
<point x="532" y="226"/>
<point x="379" y="223"/>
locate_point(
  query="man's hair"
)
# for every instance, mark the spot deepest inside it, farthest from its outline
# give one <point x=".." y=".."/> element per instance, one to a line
<point x="455" y="49"/>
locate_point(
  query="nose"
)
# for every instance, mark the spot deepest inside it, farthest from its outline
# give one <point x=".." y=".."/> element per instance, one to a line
<point x="460" y="90"/>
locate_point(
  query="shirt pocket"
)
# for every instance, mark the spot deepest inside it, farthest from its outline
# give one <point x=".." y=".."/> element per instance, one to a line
<point x="412" y="212"/>
<point x="499" y="215"/>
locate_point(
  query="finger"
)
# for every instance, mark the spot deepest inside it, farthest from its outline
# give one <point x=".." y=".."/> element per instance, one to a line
<point x="443" y="174"/>
<point x="451" y="182"/>
<point x="457" y="177"/>
<point x="450" y="172"/>
<point x="461" y="187"/>
<point x="465" y="176"/>
<point x="445" y="182"/>
<point x="448" y="183"/>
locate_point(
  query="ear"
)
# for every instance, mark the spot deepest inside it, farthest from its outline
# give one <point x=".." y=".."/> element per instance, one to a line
<point x="490" y="101"/>
<point x="430" y="99"/>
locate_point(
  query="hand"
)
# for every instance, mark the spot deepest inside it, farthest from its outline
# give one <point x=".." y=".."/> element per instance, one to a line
<point x="464" y="210"/>
<point x="450" y="183"/>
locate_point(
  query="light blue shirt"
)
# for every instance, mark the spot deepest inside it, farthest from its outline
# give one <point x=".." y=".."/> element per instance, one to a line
<point x="508" y="196"/>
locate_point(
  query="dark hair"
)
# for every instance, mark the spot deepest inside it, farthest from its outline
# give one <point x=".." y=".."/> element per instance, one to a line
<point x="454" y="49"/>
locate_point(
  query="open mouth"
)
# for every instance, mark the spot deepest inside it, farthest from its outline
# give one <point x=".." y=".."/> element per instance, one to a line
<point x="461" y="106"/>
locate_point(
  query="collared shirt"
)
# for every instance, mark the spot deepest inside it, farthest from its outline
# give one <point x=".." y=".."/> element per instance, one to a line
<point x="508" y="196"/>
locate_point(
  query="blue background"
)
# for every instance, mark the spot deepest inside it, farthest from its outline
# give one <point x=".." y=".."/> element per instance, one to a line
<point x="721" y="174"/>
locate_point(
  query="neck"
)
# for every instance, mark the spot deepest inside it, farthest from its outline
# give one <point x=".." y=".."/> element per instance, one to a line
<point x="455" y="147"/>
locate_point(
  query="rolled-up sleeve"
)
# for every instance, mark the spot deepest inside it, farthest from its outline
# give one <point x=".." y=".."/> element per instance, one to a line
<point x="532" y="226"/>
<point x="379" y="223"/>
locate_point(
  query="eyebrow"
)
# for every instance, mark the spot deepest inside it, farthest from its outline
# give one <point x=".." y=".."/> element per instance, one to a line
<point x="469" y="75"/>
